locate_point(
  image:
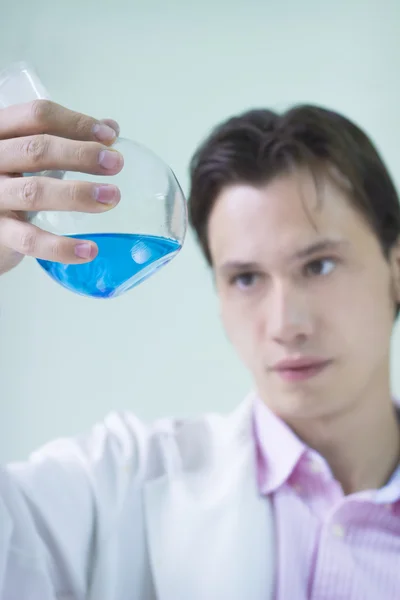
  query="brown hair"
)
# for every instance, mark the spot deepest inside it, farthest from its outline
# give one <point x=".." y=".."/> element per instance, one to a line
<point x="259" y="145"/>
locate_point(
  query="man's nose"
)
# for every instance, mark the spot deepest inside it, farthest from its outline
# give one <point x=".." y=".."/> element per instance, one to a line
<point x="289" y="315"/>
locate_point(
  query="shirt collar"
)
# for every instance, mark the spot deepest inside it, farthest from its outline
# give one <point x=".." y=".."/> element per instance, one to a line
<point x="279" y="450"/>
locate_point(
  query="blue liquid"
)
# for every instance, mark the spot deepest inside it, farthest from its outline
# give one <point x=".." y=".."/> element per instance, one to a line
<point x="123" y="261"/>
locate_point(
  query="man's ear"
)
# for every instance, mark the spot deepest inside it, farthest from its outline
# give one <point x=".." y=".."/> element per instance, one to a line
<point x="395" y="269"/>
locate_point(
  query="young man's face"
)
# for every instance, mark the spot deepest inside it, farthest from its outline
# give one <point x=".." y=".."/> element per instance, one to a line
<point x="301" y="278"/>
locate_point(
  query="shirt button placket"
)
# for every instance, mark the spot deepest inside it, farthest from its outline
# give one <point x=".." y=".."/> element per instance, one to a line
<point x="332" y="581"/>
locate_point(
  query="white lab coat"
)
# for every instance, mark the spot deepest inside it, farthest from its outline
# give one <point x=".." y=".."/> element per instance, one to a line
<point x="169" y="511"/>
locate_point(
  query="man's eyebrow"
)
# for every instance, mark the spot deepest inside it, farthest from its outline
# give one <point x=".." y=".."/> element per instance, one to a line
<point x="327" y="245"/>
<point x="238" y="265"/>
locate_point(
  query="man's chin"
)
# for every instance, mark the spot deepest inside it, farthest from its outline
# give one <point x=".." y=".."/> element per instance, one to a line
<point x="300" y="403"/>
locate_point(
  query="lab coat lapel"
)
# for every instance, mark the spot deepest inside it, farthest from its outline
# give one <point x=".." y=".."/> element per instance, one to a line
<point x="6" y="529"/>
<point x="210" y="533"/>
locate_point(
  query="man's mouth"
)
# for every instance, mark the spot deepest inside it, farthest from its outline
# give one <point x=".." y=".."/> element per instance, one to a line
<point x="301" y="368"/>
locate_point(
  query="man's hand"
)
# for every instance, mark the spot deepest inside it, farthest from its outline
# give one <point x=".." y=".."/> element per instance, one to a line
<point x="43" y="136"/>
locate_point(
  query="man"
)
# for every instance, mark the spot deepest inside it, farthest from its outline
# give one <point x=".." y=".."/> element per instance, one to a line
<point x="297" y="493"/>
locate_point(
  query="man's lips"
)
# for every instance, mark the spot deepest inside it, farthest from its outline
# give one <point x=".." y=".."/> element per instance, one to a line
<point x="301" y="368"/>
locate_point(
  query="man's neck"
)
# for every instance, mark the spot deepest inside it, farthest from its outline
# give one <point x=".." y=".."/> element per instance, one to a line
<point x="362" y="447"/>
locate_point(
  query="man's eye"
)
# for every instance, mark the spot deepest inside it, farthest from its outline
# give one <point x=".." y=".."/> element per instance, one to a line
<point x="322" y="266"/>
<point x="244" y="280"/>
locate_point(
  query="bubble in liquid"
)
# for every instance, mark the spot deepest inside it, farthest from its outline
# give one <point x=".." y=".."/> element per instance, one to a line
<point x="140" y="253"/>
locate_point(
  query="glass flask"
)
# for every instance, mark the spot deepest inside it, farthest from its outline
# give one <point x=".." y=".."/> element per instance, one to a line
<point x="144" y="232"/>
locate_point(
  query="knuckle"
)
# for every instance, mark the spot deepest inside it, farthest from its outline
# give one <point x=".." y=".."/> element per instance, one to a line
<point x="83" y="155"/>
<point x="75" y="193"/>
<point x="36" y="148"/>
<point x="41" y="111"/>
<point x="55" y="248"/>
<point x="27" y="242"/>
<point x="82" y="126"/>
<point x="30" y="194"/>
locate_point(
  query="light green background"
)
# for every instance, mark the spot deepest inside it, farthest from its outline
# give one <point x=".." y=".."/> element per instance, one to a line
<point x="168" y="71"/>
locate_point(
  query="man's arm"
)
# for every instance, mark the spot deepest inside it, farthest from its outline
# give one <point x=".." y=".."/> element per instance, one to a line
<point x="64" y="504"/>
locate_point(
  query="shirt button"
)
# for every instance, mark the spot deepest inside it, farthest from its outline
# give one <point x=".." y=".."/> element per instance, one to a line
<point x="315" y="467"/>
<point x="338" y="530"/>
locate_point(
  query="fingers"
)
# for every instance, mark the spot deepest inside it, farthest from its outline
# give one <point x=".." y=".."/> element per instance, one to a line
<point x="28" y="240"/>
<point x="33" y="194"/>
<point x="44" y="116"/>
<point x="45" y="152"/>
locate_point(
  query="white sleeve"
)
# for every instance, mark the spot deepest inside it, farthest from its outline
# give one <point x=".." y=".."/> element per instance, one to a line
<point x="53" y="506"/>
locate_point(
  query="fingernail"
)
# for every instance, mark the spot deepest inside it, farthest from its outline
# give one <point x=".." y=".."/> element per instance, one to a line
<point x="113" y="124"/>
<point x="104" y="133"/>
<point x="106" y="194"/>
<point x="110" y="159"/>
<point x="85" y="251"/>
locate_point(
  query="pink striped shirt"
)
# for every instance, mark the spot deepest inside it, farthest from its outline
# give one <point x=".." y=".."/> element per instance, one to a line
<point x="329" y="546"/>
